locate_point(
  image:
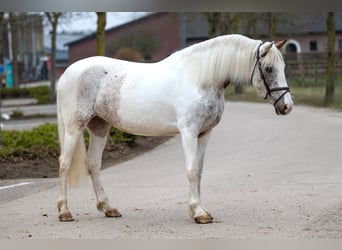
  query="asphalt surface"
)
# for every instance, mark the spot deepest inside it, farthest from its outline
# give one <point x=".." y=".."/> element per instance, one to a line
<point x="32" y="114"/>
<point x="265" y="176"/>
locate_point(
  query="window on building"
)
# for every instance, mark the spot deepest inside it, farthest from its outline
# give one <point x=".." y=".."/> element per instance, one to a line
<point x="340" y="44"/>
<point x="291" y="48"/>
<point x="313" y="45"/>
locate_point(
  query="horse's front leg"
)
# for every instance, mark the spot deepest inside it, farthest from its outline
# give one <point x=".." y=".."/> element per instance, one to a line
<point x="194" y="150"/>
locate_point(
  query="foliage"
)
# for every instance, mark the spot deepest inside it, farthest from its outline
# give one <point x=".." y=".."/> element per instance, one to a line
<point x="129" y="54"/>
<point x="42" y="142"/>
<point x="143" y="42"/>
<point x="41" y="93"/>
<point x="14" y="92"/>
<point x="115" y="136"/>
<point x="312" y="96"/>
<point x="38" y="143"/>
<point x="17" y="113"/>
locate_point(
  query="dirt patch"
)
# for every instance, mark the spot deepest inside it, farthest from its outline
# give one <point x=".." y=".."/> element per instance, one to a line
<point x="48" y="168"/>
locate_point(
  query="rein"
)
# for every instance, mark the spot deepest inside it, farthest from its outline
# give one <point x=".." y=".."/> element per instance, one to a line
<point x="269" y="90"/>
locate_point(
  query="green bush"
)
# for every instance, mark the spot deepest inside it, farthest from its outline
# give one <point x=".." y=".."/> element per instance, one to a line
<point x="129" y="54"/>
<point x="42" y="142"/>
<point x="38" y="143"/>
<point x="17" y="113"/>
<point x="115" y="136"/>
<point x="41" y="93"/>
<point x="119" y="136"/>
<point x="14" y="92"/>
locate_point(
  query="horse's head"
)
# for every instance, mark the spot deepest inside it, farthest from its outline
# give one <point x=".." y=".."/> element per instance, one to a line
<point x="268" y="77"/>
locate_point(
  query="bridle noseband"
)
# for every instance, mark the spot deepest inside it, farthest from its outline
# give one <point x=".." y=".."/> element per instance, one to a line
<point x="269" y="90"/>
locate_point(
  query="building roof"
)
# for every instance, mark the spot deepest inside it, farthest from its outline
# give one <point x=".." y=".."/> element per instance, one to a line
<point x="62" y="40"/>
<point x="196" y="24"/>
<point x="122" y="26"/>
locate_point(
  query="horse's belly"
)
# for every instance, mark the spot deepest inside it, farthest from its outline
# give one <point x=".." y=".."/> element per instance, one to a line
<point x="149" y="121"/>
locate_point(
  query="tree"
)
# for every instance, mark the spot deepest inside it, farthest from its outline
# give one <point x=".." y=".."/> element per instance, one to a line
<point x="53" y="18"/>
<point x="2" y="14"/>
<point x="224" y="23"/>
<point x="251" y="24"/>
<point x="144" y="42"/>
<point x="14" y="46"/>
<point x="329" y="89"/>
<point x="214" y="19"/>
<point x="272" y="24"/>
<point x="100" y="33"/>
<point x="129" y="54"/>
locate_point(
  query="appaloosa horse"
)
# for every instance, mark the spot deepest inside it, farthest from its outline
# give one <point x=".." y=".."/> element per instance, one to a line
<point x="183" y="93"/>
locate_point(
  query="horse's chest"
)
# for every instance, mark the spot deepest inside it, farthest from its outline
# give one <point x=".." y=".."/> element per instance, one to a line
<point x="205" y="114"/>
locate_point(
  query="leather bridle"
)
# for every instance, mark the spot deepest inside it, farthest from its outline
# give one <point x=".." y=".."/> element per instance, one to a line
<point x="269" y="90"/>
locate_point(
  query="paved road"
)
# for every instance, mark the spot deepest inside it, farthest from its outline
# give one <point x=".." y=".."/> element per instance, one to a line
<point x="44" y="109"/>
<point x="265" y="176"/>
<point x="47" y="111"/>
<point x="27" y="124"/>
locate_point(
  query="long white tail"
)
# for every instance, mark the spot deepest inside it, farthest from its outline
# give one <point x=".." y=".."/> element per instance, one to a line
<point x="78" y="171"/>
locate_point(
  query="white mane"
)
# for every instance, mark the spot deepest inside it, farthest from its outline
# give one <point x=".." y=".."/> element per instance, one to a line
<point x="212" y="62"/>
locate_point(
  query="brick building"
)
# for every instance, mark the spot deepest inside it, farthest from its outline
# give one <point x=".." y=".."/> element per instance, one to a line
<point x="168" y="32"/>
<point x="160" y="29"/>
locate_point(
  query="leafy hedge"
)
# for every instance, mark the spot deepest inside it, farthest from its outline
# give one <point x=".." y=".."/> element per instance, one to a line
<point x="41" y="93"/>
<point x="38" y="143"/>
<point x="42" y="142"/>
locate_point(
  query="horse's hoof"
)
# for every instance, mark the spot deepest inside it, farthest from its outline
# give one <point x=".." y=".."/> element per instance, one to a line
<point x="65" y="217"/>
<point x="112" y="213"/>
<point x="204" y="219"/>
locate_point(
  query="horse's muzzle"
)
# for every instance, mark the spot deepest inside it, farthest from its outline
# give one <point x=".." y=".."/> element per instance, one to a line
<point x="283" y="109"/>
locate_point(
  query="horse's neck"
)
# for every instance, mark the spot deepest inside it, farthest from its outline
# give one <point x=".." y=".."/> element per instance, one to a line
<point x="217" y="61"/>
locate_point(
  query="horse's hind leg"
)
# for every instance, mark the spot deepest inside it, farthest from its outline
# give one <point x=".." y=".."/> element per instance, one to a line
<point x="98" y="130"/>
<point x="71" y="139"/>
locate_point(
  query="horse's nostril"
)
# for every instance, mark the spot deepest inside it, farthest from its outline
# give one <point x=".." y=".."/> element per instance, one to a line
<point x="287" y="108"/>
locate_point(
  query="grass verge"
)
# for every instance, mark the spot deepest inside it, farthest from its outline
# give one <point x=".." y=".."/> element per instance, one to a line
<point x="42" y="142"/>
<point x="311" y="96"/>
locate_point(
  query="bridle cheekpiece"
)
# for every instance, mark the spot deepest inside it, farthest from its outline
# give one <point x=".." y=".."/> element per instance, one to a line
<point x="269" y="90"/>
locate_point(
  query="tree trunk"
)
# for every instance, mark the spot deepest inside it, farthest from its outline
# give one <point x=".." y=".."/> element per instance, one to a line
<point x="53" y="18"/>
<point x="251" y="27"/>
<point x="100" y="34"/>
<point x="271" y="20"/>
<point x="329" y="90"/>
<point x="236" y="28"/>
<point x="53" y="63"/>
<point x="1" y="38"/>
<point x="213" y="19"/>
<point x="14" y="46"/>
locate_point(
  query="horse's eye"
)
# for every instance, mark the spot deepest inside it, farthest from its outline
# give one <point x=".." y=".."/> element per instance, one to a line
<point x="269" y="69"/>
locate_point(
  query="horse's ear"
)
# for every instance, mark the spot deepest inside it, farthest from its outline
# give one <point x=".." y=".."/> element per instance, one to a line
<point x="280" y="44"/>
<point x="264" y="48"/>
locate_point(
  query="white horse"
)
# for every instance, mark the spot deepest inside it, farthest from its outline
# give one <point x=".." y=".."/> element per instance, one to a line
<point x="183" y="93"/>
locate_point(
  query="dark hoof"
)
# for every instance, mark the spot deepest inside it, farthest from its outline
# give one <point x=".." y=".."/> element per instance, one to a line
<point x="204" y="219"/>
<point x="66" y="217"/>
<point x="112" y="213"/>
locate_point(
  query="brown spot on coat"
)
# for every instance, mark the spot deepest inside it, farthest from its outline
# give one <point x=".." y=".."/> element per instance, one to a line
<point x="98" y="126"/>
